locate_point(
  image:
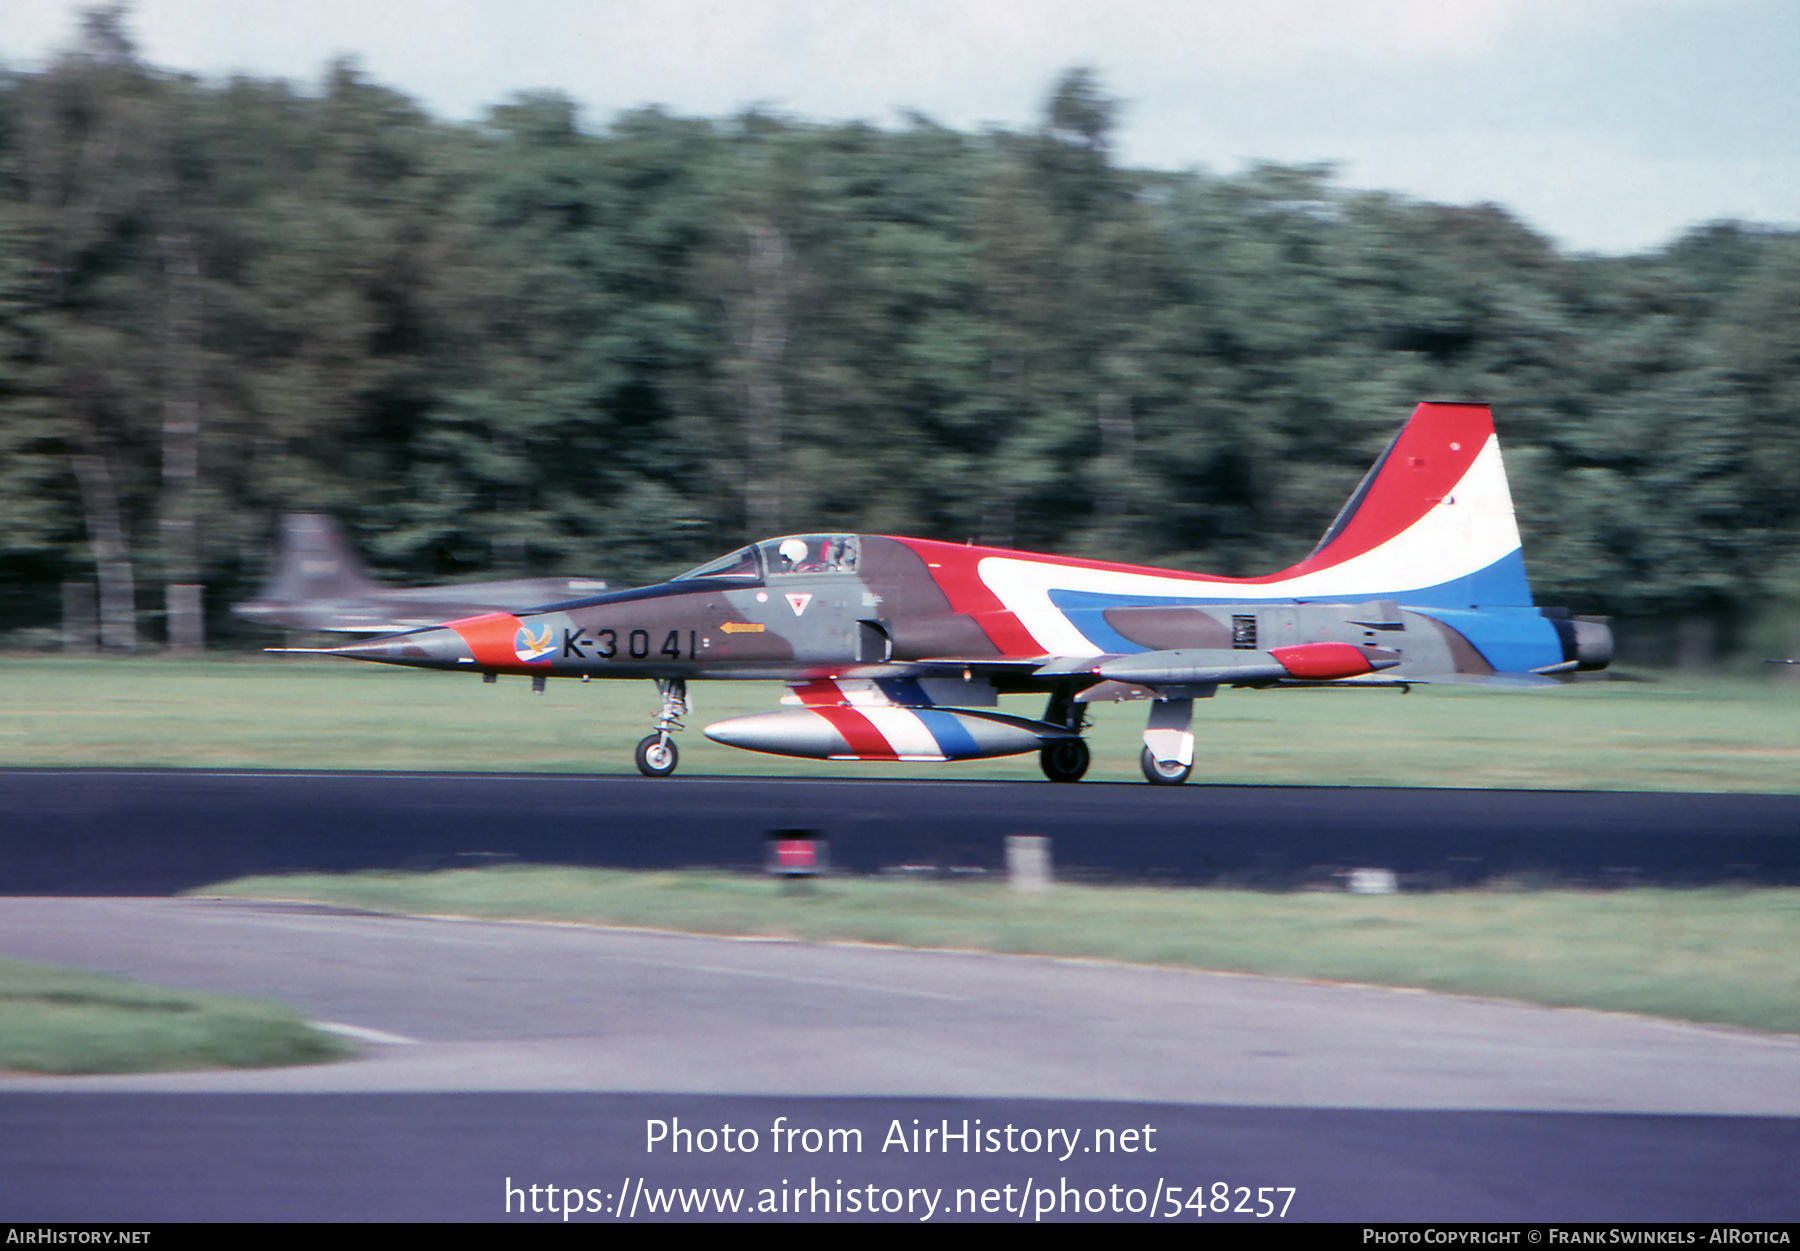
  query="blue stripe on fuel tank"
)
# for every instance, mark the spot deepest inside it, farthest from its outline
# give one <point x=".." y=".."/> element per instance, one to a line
<point x="953" y="737"/>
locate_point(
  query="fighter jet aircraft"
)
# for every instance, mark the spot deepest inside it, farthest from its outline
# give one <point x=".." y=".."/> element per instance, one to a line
<point x="318" y="583"/>
<point x="897" y="648"/>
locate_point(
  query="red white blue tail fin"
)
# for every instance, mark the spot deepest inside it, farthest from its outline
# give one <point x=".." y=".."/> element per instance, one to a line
<point x="1431" y="524"/>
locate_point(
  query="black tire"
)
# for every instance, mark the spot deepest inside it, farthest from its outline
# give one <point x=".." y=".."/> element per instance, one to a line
<point x="1064" y="759"/>
<point x="1160" y="774"/>
<point x="657" y="758"/>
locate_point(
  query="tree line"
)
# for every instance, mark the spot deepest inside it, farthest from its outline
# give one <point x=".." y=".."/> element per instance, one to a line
<point x="538" y="346"/>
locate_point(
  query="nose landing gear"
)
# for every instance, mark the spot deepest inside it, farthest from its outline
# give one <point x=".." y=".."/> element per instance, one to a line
<point x="656" y="756"/>
<point x="656" y="753"/>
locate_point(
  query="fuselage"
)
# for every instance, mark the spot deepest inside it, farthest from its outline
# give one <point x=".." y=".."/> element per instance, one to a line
<point x="810" y="606"/>
<point x="897" y="649"/>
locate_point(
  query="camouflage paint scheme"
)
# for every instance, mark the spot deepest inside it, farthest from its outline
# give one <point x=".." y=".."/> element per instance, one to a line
<point x="896" y="648"/>
<point x="318" y="583"/>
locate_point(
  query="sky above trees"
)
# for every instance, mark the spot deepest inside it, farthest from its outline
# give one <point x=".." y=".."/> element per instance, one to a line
<point x="1610" y="125"/>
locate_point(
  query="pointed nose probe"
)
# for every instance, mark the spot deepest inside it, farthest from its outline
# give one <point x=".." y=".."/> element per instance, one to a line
<point x="435" y="648"/>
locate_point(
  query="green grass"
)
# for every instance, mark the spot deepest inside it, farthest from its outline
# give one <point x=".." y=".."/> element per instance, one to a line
<point x="55" y="1020"/>
<point x="1678" y="734"/>
<point x="1720" y="956"/>
<point x="1723" y="956"/>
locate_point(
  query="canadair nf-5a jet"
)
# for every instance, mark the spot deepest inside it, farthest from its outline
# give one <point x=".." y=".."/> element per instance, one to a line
<point x="897" y="649"/>
<point x="318" y="583"/>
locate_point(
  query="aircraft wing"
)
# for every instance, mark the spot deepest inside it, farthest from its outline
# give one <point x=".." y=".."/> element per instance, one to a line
<point x="1176" y="667"/>
<point x="1203" y="666"/>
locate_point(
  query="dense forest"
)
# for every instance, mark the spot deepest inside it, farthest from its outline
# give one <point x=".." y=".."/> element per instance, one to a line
<point x="539" y="345"/>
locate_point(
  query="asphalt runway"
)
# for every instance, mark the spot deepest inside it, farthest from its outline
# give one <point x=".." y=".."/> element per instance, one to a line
<point x="500" y="1057"/>
<point x="98" y="832"/>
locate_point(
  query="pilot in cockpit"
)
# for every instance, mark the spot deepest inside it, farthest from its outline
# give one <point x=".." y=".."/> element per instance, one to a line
<point x="793" y="553"/>
<point x="816" y="553"/>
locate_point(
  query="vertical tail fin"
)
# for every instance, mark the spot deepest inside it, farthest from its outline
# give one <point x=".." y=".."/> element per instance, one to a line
<point x="314" y="561"/>
<point x="1433" y="520"/>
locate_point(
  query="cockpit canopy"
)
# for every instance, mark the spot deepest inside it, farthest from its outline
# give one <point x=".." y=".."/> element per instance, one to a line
<point x="742" y="563"/>
<point x="795" y="554"/>
<point x="809" y="553"/>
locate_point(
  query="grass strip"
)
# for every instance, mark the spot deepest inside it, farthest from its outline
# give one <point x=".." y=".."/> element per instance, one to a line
<point x="1682" y="734"/>
<point x="57" y="1020"/>
<point x="1723" y="956"/>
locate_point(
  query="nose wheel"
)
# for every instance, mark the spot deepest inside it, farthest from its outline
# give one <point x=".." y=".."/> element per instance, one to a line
<point x="656" y="756"/>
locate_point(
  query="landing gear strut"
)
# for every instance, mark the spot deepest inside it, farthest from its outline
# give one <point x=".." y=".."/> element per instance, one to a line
<point x="656" y="754"/>
<point x="1064" y="759"/>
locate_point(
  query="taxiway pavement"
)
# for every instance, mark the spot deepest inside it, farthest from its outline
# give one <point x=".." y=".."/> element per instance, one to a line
<point x="499" y="1006"/>
<point x="501" y="1056"/>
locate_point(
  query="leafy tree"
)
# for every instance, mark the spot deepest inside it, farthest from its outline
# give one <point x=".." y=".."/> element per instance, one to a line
<point x="532" y="344"/>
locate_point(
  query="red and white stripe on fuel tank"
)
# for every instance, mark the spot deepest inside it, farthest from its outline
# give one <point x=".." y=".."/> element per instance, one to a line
<point x="872" y="726"/>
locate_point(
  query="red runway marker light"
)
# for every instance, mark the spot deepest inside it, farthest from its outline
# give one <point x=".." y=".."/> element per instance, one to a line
<point x="795" y="853"/>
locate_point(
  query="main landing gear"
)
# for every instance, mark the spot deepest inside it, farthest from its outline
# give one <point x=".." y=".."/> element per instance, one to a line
<point x="1064" y="759"/>
<point x="1168" y="755"/>
<point x="656" y="754"/>
<point x="1163" y="772"/>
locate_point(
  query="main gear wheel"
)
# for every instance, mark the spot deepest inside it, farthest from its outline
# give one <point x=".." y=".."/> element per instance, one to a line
<point x="1064" y="759"/>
